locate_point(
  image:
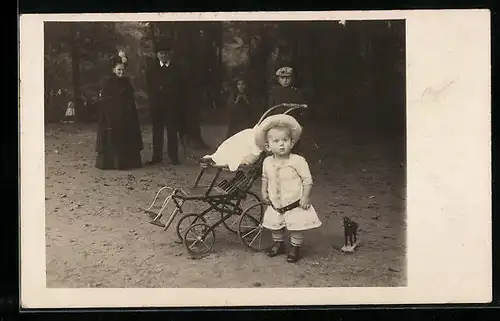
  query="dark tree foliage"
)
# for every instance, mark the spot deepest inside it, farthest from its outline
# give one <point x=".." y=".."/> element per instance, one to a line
<point x="346" y="70"/>
<point x="73" y="66"/>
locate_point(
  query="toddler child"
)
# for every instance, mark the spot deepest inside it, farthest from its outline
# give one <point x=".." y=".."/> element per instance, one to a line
<point x="286" y="184"/>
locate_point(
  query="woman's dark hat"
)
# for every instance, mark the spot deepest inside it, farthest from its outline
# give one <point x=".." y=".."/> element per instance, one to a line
<point x="115" y="60"/>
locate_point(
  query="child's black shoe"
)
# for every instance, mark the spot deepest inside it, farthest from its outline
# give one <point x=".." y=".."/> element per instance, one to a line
<point x="293" y="255"/>
<point x="277" y="249"/>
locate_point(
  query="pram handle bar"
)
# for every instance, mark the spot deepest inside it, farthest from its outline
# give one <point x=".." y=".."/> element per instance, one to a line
<point x="292" y="106"/>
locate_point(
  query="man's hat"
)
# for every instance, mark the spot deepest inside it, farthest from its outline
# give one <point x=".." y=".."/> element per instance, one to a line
<point x="163" y="46"/>
<point x="284" y="72"/>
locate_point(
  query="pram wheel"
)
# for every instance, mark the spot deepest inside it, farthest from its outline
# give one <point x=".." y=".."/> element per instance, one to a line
<point x="250" y="230"/>
<point x="186" y="221"/>
<point x="249" y="199"/>
<point x="199" y="239"/>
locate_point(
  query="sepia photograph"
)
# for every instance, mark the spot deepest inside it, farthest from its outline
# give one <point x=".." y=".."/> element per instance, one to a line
<point x="154" y="177"/>
<point x="242" y="159"/>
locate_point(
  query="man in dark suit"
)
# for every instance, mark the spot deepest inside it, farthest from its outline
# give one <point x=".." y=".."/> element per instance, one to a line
<point x="166" y="96"/>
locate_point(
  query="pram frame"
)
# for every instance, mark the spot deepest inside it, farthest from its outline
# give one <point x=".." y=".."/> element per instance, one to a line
<point x="227" y="192"/>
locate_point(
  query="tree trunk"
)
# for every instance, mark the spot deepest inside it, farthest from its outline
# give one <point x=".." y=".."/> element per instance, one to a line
<point x="304" y="61"/>
<point x="75" y="66"/>
<point x="152" y="31"/>
<point x="217" y="74"/>
<point x="258" y="55"/>
<point x="189" y="33"/>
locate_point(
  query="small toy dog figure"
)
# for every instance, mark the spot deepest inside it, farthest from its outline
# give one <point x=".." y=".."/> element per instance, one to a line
<point x="350" y="234"/>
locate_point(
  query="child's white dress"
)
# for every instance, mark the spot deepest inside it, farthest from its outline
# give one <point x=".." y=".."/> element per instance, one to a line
<point x="285" y="183"/>
<point x="70" y="111"/>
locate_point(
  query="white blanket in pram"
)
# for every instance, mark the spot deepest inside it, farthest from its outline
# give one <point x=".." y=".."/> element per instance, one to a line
<point x="239" y="149"/>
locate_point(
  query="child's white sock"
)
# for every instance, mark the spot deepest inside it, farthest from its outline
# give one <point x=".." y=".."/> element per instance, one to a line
<point x="296" y="238"/>
<point x="278" y="235"/>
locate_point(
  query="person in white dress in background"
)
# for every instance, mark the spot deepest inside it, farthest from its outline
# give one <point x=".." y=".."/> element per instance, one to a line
<point x="69" y="116"/>
<point x="286" y="185"/>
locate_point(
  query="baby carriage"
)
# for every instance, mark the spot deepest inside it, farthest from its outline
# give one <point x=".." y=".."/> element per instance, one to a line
<point x="238" y="208"/>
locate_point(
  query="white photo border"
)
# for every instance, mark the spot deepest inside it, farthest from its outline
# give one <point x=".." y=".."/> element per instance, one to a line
<point x="448" y="170"/>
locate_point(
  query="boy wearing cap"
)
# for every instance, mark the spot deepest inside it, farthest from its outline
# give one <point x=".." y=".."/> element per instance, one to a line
<point x="285" y="92"/>
<point x="166" y="94"/>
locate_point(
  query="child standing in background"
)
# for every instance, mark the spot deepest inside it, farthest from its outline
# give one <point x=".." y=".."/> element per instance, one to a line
<point x="243" y="109"/>
<point x="285" y="92"/>
<point x="69" y="116"/>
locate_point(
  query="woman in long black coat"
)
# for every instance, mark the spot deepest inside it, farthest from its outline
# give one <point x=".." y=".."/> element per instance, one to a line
<point x="119" y="140"/>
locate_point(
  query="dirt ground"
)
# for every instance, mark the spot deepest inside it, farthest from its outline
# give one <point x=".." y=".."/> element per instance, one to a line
<point x="97" y="236"/>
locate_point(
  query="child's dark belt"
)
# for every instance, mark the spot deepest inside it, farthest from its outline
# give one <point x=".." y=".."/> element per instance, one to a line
<point x="287" y="208"/>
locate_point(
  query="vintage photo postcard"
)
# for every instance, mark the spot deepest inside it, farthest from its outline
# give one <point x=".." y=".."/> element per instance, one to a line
<point x="255" y="159"/>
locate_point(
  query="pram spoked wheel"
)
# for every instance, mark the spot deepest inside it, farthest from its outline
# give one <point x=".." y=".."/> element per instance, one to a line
<point x="199" y="239"/>
<point x="186" y="221"/>
<point x="250" y="230"/>
<point x="231" y="224"/>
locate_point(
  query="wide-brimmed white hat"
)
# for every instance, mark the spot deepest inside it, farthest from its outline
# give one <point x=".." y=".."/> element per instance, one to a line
<point x="274" y="121"/>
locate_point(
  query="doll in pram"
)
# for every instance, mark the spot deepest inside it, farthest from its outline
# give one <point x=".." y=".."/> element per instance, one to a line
<point x="235" y="205"/>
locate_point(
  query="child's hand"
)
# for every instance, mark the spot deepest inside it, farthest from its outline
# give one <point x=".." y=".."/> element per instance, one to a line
<point x="304" y="203"/>
<point x="241" y="97"/>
